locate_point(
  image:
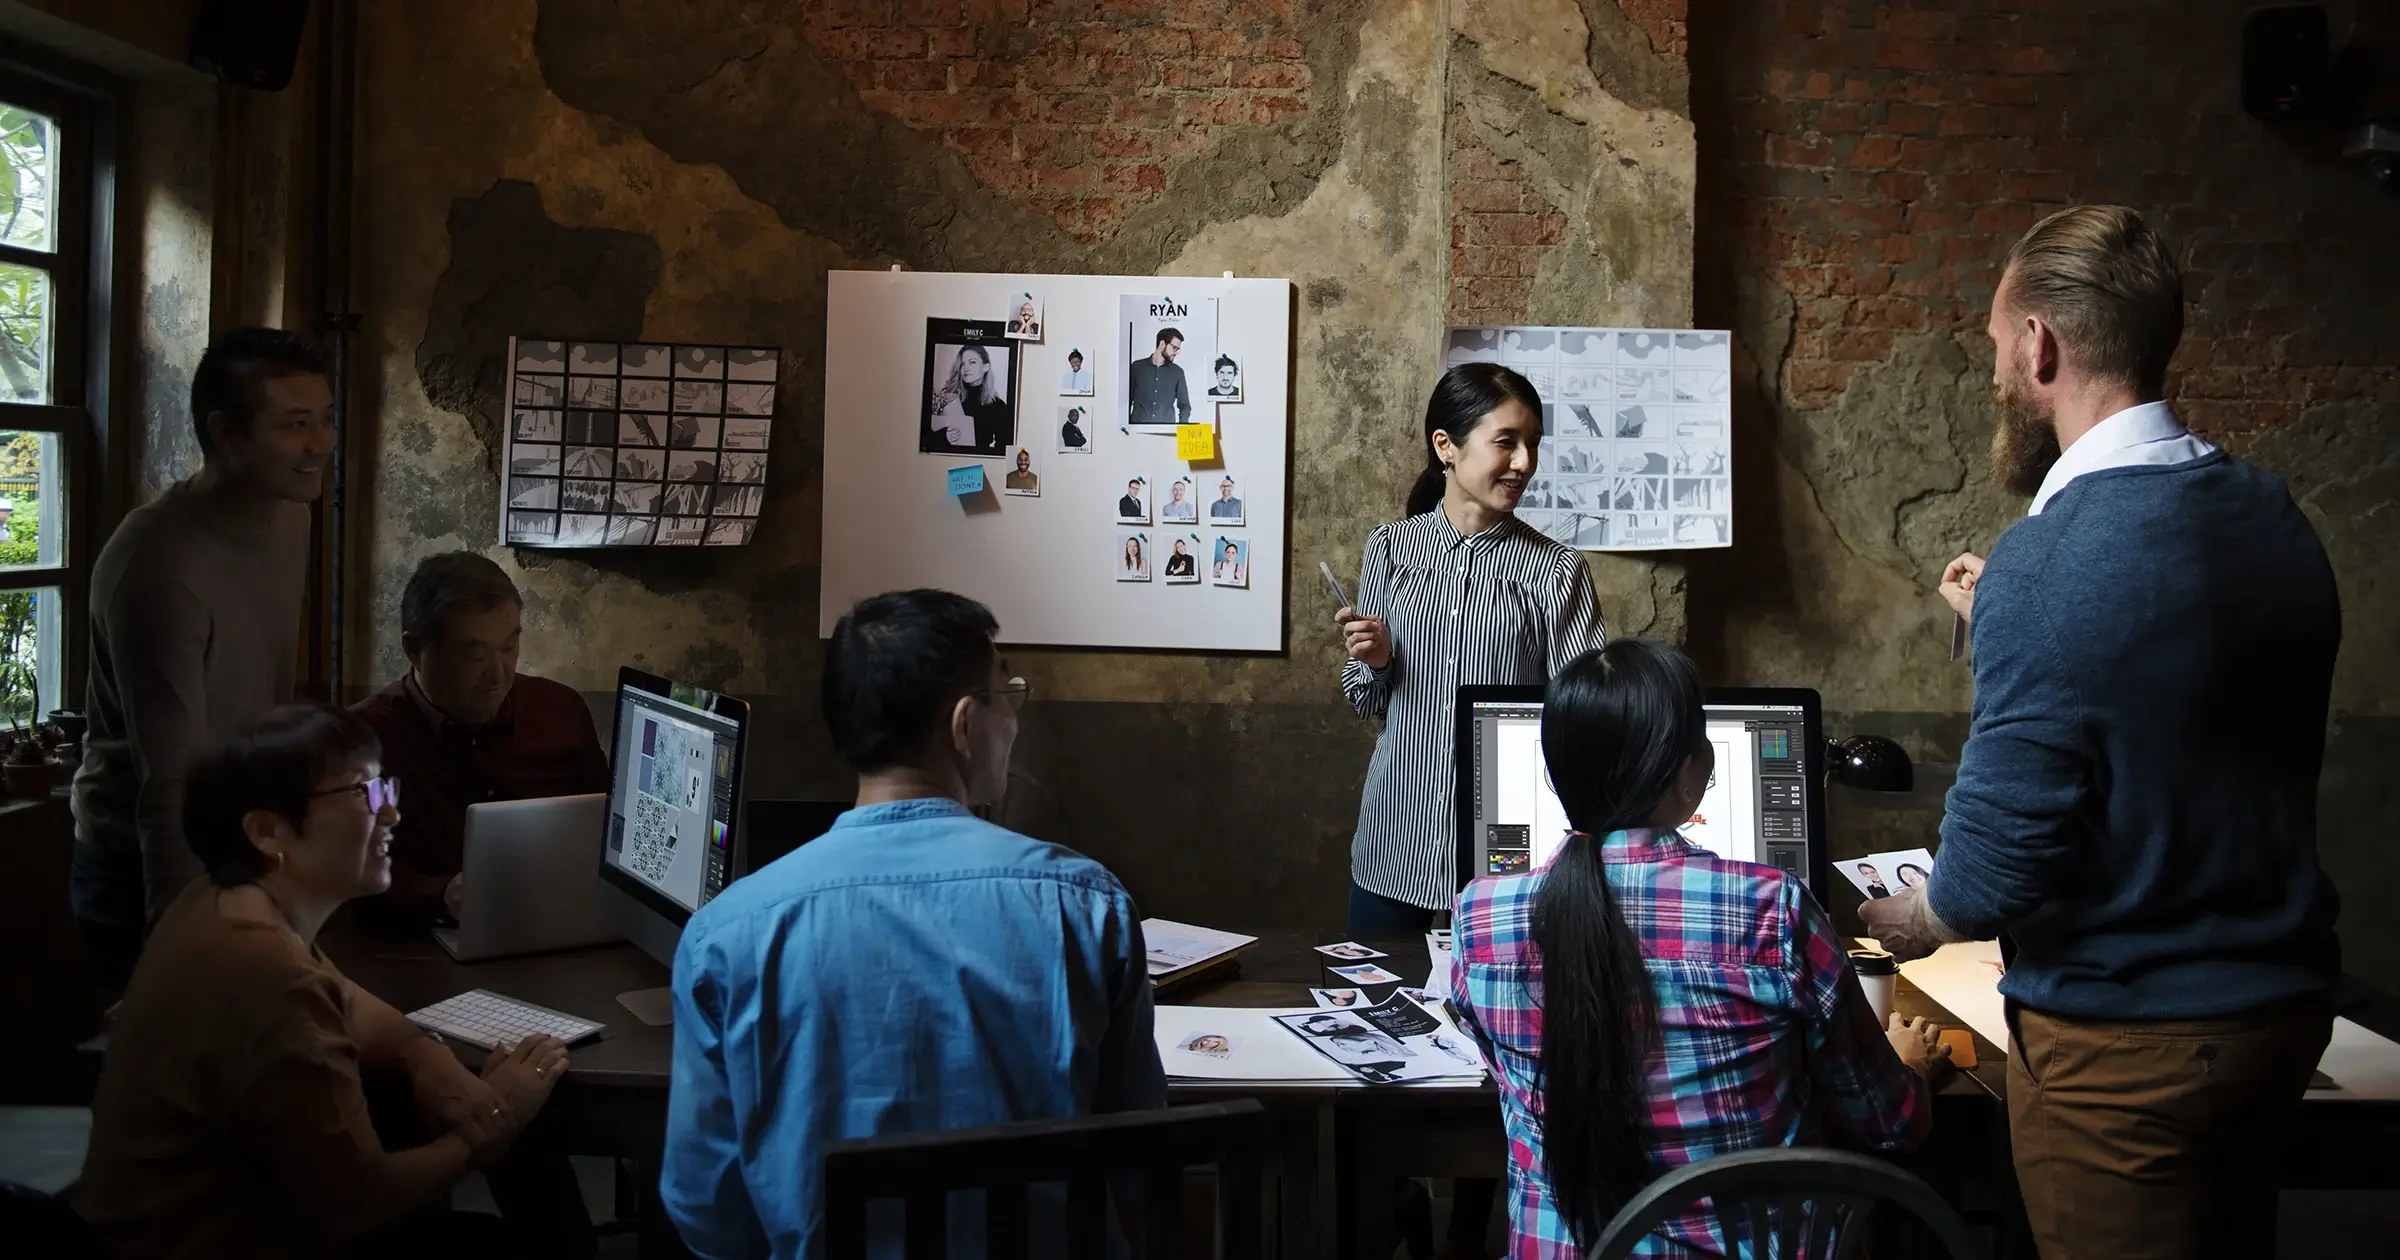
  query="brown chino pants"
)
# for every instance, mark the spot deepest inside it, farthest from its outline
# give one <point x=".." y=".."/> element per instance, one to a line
<point x="2158" y="1138"/>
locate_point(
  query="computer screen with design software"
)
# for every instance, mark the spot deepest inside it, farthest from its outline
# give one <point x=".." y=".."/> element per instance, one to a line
<point x="1766" y="804"/>
<point x="675" y="794"/>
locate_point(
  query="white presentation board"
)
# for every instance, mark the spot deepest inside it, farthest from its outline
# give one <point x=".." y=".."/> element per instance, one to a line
<point x="1052" y="566"/>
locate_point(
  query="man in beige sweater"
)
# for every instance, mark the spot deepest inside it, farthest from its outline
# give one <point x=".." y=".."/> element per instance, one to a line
<point x="195" y="618"/>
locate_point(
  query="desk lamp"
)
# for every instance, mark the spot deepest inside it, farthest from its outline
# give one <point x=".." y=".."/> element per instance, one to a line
<point x="1869" y="763"/>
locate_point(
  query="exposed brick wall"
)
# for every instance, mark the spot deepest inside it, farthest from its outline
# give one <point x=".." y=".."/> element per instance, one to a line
<point x="1079" y="107"/>
<point x="1664" y="21"/>
<point x="1500" y="226"/>
<point x="1880" y="159"/>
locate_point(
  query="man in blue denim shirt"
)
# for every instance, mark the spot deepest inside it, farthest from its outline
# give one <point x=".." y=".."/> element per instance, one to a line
<point x="915" y="968"/>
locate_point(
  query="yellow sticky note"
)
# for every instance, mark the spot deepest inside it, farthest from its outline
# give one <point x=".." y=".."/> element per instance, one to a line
<point x="1195" y="441"/>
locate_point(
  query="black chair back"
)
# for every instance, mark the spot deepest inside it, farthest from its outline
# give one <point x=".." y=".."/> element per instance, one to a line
<point x="38" y="1224"/>
<point x="1085" y="1153"/>
<point x="1786" y="1203"/>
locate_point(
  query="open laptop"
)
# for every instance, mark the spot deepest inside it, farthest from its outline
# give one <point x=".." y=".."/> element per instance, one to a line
<point x="531" y="881"/>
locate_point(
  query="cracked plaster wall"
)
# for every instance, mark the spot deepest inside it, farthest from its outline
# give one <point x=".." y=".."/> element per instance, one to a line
<point x="690" y="171"/>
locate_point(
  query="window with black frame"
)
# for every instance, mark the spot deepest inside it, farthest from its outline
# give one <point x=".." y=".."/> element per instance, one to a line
<point x="47" y="200"/>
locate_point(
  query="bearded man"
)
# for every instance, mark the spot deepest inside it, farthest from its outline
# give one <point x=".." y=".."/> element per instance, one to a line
<point x="2135" y="812"/>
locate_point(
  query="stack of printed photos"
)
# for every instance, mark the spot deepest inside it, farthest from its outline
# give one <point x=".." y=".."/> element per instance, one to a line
<point x="613" y="444"/>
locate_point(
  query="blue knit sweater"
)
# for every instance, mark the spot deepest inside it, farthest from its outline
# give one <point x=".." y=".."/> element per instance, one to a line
<point x="2136" y="807"/>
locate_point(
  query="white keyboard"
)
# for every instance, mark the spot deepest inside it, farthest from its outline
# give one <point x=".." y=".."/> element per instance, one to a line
<point x="483" y="1018"/>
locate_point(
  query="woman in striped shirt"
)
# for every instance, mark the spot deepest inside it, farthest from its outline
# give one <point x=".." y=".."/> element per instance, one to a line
<point x="1460" y="592"/>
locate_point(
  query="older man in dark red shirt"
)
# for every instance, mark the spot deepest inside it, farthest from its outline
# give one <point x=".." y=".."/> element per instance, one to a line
<point x="462" y="725"/>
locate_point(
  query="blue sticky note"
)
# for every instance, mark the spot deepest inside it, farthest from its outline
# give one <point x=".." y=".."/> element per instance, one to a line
<point x="966" y="480"/>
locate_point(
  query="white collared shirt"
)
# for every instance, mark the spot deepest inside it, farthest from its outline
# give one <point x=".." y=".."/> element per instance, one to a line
<point x="2147" y="433"/>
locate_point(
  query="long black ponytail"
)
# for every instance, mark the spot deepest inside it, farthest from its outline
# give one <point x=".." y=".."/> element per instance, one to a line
<point x="1617" y="726"/>
<point x="1461" y="399"/>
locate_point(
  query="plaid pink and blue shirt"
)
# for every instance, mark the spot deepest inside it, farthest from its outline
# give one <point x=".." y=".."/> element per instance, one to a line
<point x="1765" y="1038"/>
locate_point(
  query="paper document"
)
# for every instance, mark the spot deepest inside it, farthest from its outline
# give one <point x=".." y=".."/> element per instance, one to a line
<point x="1175" y="946"/>
<point x="1437" y="954"/>
<point x="1391" y="1044"/>
<point x="1965" y="977"/>
<point x="1252" y="1047"/>
<point x="2362" y="1065"/>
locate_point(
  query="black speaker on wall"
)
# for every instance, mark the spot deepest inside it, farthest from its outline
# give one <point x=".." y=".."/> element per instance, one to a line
<point x="252" y="43"/>
<point x="2283" y="62"/>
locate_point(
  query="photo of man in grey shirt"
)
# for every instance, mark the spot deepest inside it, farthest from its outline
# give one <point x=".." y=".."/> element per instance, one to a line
<point x="1157" y="390"/>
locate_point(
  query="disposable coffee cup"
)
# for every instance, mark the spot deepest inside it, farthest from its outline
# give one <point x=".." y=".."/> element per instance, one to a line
<point x="1876" y="971"/>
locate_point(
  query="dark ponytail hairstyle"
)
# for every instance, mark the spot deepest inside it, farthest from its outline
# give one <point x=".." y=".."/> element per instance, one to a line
<point x="1461" y="399"/>
<point x="1617" y="725"/>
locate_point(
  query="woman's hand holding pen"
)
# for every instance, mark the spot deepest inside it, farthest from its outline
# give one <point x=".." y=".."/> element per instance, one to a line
<point x="1366" y="639"/>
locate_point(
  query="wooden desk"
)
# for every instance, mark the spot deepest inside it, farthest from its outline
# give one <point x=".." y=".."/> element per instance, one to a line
<point x="614" y="1097"/>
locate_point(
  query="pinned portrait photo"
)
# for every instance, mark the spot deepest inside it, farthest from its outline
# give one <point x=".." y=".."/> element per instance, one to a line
<point x="1336" y="999"/>
<point x="1225" y="379"/>
<point x="1133" y="557"/>
<point x="1166" y="344"/>
<point x="1025" y="318"/>
<point x="1183" y="560"/>
<point x="1179" y="509"/>
<point x="1133" y="506"/>
<point x="1075" y="430"/>
<point x="1225" y="506"/>
<point x="1365" y="973"/>
<point x="1076" y="380"/>
<point x="1231" y="565"/>
<point x="1022" y="481"/>
<point x="968" y="406"/>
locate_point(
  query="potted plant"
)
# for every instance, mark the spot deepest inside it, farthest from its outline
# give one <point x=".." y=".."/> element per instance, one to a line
<point x="30" y="771"/>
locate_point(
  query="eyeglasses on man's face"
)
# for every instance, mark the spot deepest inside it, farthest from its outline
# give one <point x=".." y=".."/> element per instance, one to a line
<point x="1016" y="691"/>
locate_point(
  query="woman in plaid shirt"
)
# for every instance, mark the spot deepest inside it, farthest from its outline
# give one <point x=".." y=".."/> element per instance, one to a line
<point x="1646" y="1004"/>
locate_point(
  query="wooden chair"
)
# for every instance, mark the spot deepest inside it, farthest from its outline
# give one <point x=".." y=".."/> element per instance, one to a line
<point x="1085" y="1153"/>
<point x="1789" y="1202"/>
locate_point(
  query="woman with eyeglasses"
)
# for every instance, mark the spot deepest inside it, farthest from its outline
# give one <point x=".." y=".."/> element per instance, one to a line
<point x="1646" y="1004"/>
<point x="231" y="1118"/>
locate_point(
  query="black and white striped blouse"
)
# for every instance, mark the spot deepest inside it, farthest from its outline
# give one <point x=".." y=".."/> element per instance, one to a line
<point x="1504" y="606"/>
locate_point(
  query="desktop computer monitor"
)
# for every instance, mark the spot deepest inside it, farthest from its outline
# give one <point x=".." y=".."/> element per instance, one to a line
<point x="675" y="791"/>
<point x="1767" y="805"/>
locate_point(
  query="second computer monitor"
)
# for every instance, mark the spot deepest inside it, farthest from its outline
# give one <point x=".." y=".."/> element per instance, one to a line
<point x="673" y="797"/>
<point x="1766" y="804"/>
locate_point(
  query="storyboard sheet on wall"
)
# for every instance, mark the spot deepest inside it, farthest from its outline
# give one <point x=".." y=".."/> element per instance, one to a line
<point x="1637" y="432"/>
<point x="635" y="444"/>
